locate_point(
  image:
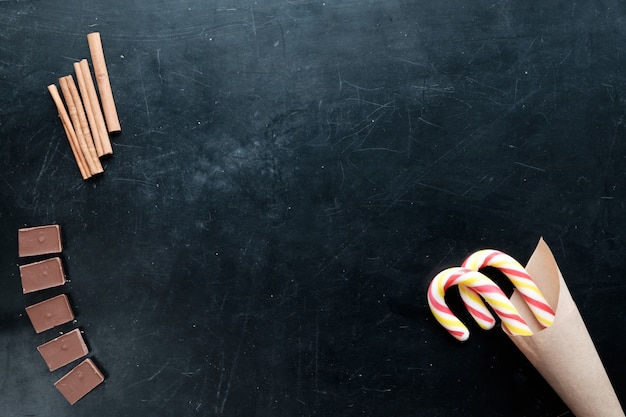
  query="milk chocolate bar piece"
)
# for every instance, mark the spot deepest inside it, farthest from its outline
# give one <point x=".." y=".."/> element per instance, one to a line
<point x="39" y="240"/>
<point x="50" y="313"/>
<point x="63" y="350"/>
<point x="41" y="275"/>
<point x="79" y="381"/>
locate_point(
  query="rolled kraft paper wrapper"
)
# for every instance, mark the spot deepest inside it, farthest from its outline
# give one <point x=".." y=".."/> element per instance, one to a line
<point x="564" y="353"/>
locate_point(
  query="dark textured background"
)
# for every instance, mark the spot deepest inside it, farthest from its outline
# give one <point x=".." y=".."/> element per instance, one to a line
<point x="289" y="177"/>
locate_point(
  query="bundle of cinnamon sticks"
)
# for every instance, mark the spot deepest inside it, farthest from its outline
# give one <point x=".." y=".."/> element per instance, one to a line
<point x="87" y="120"/>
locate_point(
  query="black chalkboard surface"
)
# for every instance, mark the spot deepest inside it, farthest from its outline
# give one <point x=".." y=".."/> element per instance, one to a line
<point x="289" y="177"/>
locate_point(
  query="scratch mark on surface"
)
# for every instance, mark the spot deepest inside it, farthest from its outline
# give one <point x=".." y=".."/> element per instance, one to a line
<point x="191" y="79"/>
<point x="421" y="119"/>
<point x="434" y="88"/>
<point x="145" y="99"/>
<point x="530" y="167"/>
<point x="190" y="374"/>
<point x="374" y="389"/>
<point x="47" y="158"/>
<point x="343" y="175"/>
<point x="317" y="343"/>
<point x="437" y="188"/>
<point x="562" y="247"/>
<point x="358" y="87"/>
<point x="419" y="64"/>
<point x="485" y="85"/>
<point x="340" y="79"/>
<point x="360" y="171"/>
<point x="218" y="392"/>
<point x="18" y="197"/>
<point x="377" y="149"/>
<point x="381" y="321"/>
<point x="139" y="309"/>
<point x="173" y="388"/>
<point x="566" y="56"/>
<point x="235" y="358"/>
<point x="136" y="181"/>
<point x="159" y="371"/>
<point x="253" y="20"/>
<point x="158" y="56"/>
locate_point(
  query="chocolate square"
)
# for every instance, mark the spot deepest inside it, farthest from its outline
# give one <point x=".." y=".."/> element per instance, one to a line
<point x="50" y="313"/>
<point x="63" y="350"/>
<point x="37" y="276"/>
<point x="40" y="240"/>
<point x="79" y="381"/>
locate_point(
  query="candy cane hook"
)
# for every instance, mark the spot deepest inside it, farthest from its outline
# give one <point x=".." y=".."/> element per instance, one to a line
<point x="520" y="279"/>
<point x="481" y="285"/>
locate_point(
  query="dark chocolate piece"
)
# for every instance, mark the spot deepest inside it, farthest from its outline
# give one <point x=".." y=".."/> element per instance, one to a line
<point x="63" y="350"/>
<point x="39" y="240"/>
<point x="79" y="381"/>
<point x="50" y="313"/>
<point x="41" y="275"/>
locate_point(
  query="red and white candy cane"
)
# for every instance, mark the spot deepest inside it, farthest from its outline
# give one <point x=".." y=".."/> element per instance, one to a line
<point x="520" y="279"/>
<point x="478" y="284"/>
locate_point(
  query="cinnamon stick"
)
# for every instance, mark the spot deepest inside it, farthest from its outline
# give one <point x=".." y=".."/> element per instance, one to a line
<point x="78" y="155"/>
<point x="69" y="131"/>
<point x="102" y="79"/>
<point x="75" y="109"/>
<point x="92" y="155"/>
<point x="91" y="118"/>
<point x="95" y="107"/>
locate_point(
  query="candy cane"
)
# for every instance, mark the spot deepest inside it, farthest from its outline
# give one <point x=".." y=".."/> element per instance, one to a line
<point x="520" y="279"/>
<point x="476" y="307"/>
<point x="479" y="284"/>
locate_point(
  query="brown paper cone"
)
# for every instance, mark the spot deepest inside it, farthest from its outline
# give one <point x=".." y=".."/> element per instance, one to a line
<point x="564" y="353"/>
